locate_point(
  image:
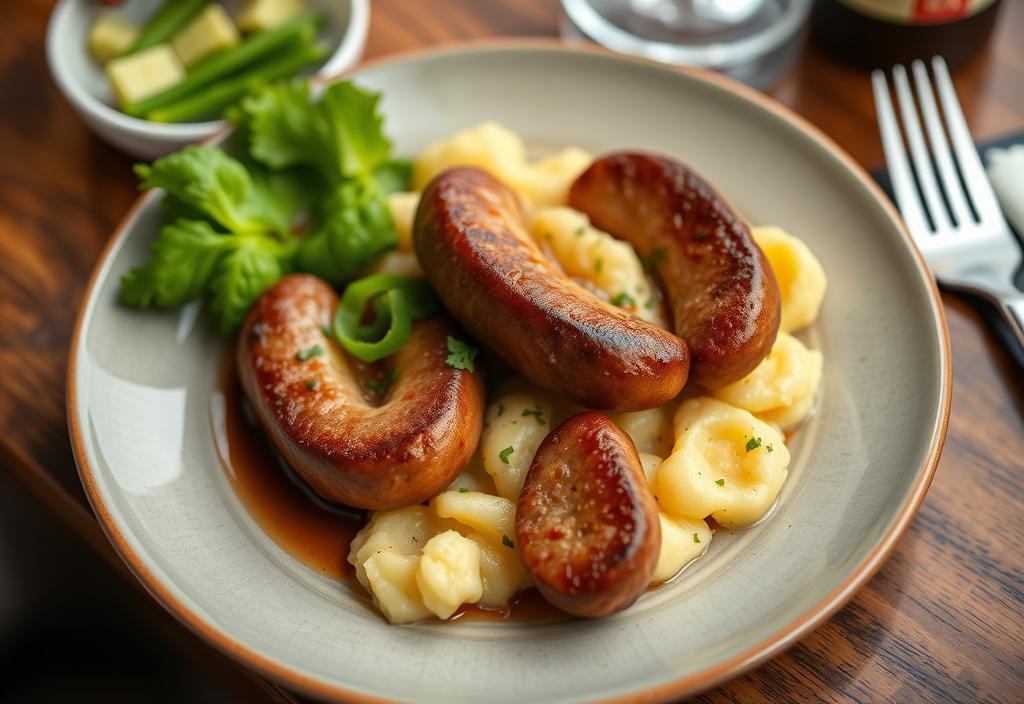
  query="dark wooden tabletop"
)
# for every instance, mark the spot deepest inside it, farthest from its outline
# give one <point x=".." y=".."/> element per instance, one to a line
<point x="944" y="618"/>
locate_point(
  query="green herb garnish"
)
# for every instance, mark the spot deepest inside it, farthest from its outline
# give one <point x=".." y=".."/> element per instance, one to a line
<point x="753" y="443"/>
<point x="507" y="541"/>
<point x="536" y="413"/>
<point x="504" y="454"/>
<point x="312" y="384"/>
<point x="381" y="386"/>
<point x="623" y="298"/>
<point x="580" y="230"/>
<point x="463" y="490"/>
<point x="650" y="262"/>
<point x="720" y="482"/>
<point x="460" y="355"/>
<point x="599" y="265"/>
<point x="696" y="539"/>
<point x="327" y="162"/>
<point x="700" y="233"/>
<point x="310" y="352"/>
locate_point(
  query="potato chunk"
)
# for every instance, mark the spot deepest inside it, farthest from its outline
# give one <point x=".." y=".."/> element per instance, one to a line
<point x="449" y="573"/>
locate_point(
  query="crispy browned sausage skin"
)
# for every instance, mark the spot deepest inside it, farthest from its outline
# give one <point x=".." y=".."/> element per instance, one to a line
<point x="472" y="242"/>
<point x="586" y="522"/>
<point x="719" y="286"/>
<point x="397" y="454"/>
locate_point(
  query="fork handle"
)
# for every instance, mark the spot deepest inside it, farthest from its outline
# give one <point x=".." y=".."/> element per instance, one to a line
<point x="1012" y="308"/>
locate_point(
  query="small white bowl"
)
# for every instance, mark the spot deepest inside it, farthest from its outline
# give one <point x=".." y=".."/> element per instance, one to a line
<point x="84" y="84"/>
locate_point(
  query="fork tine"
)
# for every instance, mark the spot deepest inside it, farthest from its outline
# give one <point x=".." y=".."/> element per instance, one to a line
<point x="940" y="145"/>
<point x="963" y="145"/>
<point x="918" y="151"/>
<point x="896" y="159"/>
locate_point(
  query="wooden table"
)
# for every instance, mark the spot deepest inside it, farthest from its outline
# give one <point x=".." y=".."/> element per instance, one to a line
<point x="942" y="621"/>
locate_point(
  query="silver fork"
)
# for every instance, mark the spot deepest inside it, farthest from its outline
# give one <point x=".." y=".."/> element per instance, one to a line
<point x="964" y="237"/>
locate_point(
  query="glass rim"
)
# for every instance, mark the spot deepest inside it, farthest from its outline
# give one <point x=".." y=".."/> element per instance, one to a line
<point x="595" y="27"/>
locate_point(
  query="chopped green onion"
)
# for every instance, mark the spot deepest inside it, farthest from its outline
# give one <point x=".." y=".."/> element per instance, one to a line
<point x="504" y="454"/>
<point x="536" y="413"/>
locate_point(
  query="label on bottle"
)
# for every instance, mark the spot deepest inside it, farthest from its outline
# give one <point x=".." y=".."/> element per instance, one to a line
<point x="917" y="11"/>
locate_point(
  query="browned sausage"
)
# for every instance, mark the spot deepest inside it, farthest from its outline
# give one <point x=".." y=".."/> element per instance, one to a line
<point x="587" y="522"/>
<point x="472" y="242"/>
<point x="308" y="399"/>
<point x="719" y="286"/>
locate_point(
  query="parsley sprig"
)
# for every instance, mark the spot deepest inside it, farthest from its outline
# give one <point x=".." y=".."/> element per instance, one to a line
<point x="325" y="162"/>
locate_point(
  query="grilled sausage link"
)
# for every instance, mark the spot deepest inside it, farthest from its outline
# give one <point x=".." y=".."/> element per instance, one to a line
<point x="472" y="242"/>
<point x="309" y="401"/>
<point x="587" y="523"/>
<point x="718" y="284"/>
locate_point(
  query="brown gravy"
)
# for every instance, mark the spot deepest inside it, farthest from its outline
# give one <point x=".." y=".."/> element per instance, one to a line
<point x="315" y="533"/>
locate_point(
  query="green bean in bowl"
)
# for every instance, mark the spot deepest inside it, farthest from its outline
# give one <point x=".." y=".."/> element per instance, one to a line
<point x="150" y="76"/>
<point x="190" y="60"/>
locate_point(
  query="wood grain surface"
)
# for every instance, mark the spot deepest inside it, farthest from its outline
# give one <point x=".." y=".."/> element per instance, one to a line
<point x="944" y="618"/>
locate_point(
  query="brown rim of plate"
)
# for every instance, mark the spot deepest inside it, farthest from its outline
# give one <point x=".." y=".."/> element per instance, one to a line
<point x="775" y="644"/>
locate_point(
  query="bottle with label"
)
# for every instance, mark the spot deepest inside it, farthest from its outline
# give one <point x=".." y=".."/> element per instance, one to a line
<point x="880" y="33"/>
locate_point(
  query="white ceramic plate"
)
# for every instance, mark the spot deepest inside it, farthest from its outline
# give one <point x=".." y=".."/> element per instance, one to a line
<point x="140" y="383"/>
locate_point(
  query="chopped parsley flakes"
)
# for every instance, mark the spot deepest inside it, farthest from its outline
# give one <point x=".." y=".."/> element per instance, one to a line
<point x="461" y="355"/>
<point x="650" y="262"/>
<point x="507" y="541"/>
<point x="536" y="413"/>
<point x="380" y="386"/>
<point x="504" y="454"/>
<point x="314" y="351"/>
<point x="696" y="539"/>
<point x="753" y="443"/>
<point x="720" y="482"/>
<point x="312" y="384"/>
<point x="623" y="298"/>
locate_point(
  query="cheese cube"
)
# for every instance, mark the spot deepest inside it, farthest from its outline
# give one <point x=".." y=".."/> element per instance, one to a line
<point x="147" y="73"/>
<point x="261" y="15"/>
<point x="111" y="36"/>
<point x="212" y="30"/>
